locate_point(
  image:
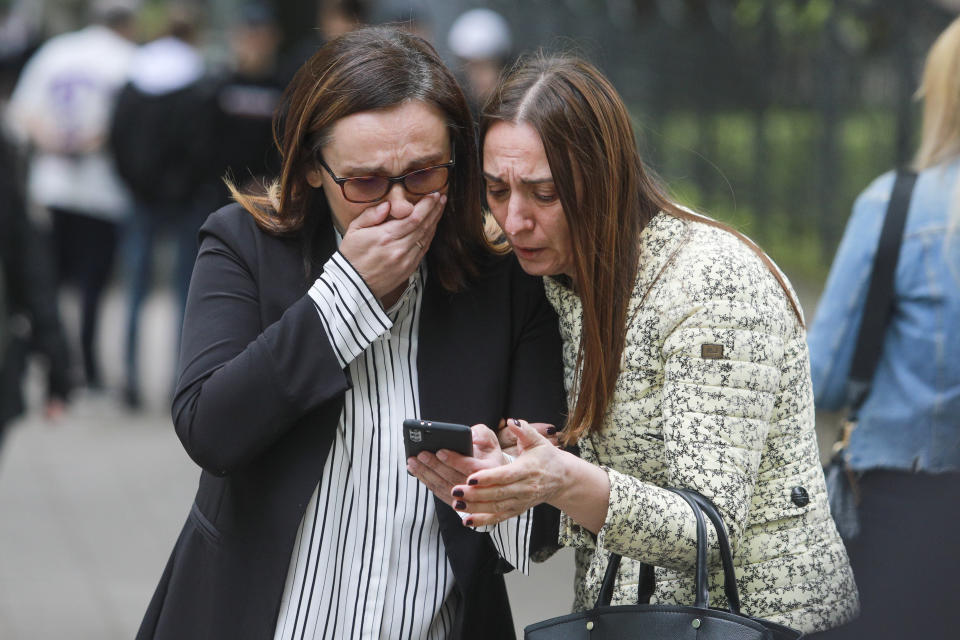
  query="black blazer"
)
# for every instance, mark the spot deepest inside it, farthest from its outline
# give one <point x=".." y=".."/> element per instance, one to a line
<point x="258" y="400"/>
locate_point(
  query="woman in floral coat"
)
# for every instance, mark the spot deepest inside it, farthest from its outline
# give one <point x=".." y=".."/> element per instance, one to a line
<point x="686" y="365"/>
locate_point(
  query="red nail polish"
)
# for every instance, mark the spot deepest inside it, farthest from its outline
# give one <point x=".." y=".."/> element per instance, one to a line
<point x="468" y="522"/>
<point x="472" y="481"/>
<point x="460" y="506"/>
<point x="458" y="493"/>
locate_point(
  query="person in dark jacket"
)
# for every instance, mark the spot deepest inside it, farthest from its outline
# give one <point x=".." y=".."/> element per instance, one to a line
<point x="162" y="142"/>
<point x="358" y="290"/>
<point x="333" y="18"/>
<point x="244" y="102"/>
<point x="60" y="112"/>
<point x="29" y="320"/>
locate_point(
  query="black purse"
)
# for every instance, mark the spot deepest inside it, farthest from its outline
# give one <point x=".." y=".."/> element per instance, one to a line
<point x="644" y="621"/>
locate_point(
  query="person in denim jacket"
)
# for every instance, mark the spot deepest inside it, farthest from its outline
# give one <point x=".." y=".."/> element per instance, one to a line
<point x="906" y="446"/>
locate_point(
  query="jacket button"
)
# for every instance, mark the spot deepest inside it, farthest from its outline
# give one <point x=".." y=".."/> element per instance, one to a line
<point x="799" y="496"/>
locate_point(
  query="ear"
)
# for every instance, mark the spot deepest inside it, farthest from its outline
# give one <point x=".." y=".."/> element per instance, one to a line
<point x="315" y="178"/>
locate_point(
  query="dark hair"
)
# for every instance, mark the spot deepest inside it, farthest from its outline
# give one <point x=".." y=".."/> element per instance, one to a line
<point x="589" y="140"/>
<point x="364" y="70"/>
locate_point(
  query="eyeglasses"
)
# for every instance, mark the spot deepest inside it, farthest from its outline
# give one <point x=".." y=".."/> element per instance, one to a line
<point x="421" y="182"/>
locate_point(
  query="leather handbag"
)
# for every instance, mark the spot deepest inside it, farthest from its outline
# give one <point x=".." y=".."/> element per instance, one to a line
<point x="645" y="621"/>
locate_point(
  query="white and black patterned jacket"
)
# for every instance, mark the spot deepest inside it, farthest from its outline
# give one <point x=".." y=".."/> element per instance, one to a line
<point x="714" y="394"/>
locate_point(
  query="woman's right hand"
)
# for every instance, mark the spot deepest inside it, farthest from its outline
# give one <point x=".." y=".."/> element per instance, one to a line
<point x="386" y="250"/>
<point x="508" y="437"/>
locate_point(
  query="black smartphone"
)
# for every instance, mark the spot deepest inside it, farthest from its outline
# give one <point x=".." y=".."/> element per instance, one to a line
<point x="429" y="435"/>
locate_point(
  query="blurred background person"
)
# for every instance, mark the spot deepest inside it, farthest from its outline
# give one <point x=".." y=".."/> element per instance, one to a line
<point x="905" y="448"/>
<point x="19" y="40"/>
<point x="337" y="17"/>
<point x="162" y="141"/>
<point x="29" y="320"/>
<point x="61" y="109"/>
<point x="245" y="101"/>
<point x="333" y="18"/>
<point x="482" y="42"/>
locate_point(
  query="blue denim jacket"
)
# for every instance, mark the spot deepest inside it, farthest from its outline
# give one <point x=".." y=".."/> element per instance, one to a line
<point x="911" y="419"/>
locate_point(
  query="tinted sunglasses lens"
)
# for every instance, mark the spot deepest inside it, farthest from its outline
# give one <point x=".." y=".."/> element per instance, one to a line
<point x="365" y="189"/>
<point x="427" y="180"/>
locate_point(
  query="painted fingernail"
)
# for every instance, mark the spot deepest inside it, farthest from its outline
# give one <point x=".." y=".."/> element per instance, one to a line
<point x="472" y="481"/>
<point x="515" y="422"/>
<point x="468" y="522"/>
<point x="460" y="505"/>
<point x="551" y="431"/>
<point x="458" y="493"/>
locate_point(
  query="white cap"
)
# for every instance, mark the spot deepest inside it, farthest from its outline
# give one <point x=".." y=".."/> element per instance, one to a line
<point x="480" y="34"/>
<point x="101" y="8"/>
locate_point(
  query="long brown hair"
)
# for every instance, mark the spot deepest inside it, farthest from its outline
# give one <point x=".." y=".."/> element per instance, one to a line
<point x="364" y="70"/>
<point x="608" y="198"/>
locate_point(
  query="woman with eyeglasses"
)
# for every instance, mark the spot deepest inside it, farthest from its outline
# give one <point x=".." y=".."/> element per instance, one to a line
<point x="356" y="291"/>
<point x="685" y="360"/>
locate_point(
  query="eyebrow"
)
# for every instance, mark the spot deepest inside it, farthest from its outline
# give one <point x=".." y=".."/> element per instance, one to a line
<point x="522" y="181"/>
<point x="422" y="163"/>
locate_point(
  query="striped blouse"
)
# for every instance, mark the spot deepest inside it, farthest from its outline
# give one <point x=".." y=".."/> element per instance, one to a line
<point x="369" y="560"/>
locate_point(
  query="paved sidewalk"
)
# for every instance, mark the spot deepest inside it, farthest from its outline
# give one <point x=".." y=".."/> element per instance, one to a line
<point x="90" y="507"/>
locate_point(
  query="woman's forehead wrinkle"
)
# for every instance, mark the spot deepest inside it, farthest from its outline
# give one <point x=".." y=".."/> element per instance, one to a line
<point x="390" y="142"/>
<point x="517" y="165"/>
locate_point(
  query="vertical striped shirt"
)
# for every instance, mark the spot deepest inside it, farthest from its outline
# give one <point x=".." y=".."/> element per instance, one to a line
<point x="369" y="560"/>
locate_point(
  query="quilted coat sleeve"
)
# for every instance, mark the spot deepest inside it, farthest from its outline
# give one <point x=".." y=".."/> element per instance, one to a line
<point x="724" y="325"/>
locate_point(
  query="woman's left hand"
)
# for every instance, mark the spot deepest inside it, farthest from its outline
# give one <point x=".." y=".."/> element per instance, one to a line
<point x="441" y="471"/>
<point x="496" y="494"/>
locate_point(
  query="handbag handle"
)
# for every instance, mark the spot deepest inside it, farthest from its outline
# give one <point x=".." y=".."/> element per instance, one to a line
<point x="703" y="593"/>
<point x="645" y="585"/>
<point x="609" y="578"/>
<point x="723" y="541"/>
<point x="701" y="506"/>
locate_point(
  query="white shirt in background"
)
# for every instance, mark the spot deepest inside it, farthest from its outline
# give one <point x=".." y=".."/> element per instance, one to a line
<point x="62" y="106"/>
